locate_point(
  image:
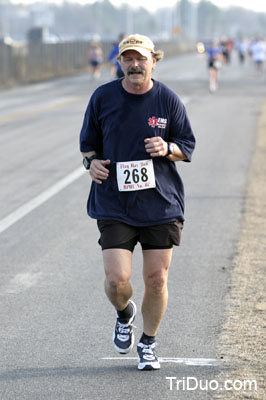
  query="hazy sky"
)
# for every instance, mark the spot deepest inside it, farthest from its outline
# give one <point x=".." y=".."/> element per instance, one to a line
<point x="256" y="5"/>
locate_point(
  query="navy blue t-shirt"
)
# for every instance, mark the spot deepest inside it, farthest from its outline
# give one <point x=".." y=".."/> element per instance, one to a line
<point x="115" y="125"/>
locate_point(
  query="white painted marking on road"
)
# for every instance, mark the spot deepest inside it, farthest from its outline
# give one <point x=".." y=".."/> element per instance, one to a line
<point x="186" y="361"/>
<point x="22" y="211"/>
<point x="190" y="361"/>
<point x="22" y="282"/>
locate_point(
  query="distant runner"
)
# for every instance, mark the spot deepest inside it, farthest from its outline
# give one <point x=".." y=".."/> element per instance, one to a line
<point x="95" y="60"/>
<point x="258" y="50"/>
<point x="117" y="70"/>
<point x="214" y="64"/>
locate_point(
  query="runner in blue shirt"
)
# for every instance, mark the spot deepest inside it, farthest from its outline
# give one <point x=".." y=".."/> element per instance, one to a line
<point x="134" y="130"/>
<point x="113" y="57"/>
<point x="214" y="64"/>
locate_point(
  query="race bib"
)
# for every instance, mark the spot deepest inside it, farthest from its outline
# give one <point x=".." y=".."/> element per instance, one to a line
<point x="135" y="175"/>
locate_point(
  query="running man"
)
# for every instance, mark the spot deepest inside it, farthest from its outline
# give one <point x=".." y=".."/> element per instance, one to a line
<point x="134" y="130"/>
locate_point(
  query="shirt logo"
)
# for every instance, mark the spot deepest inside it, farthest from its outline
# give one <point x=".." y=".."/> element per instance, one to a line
<point x="159" y="122"/>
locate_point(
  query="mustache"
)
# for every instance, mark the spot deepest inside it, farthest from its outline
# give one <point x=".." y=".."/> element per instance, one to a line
<point x="137" y="70"/>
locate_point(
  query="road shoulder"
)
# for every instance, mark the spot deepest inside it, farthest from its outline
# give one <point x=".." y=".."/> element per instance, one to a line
<point x="242" y="338"/>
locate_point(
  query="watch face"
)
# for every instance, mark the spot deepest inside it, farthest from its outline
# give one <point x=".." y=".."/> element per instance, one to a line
<point x="86" y="163"/>
<point x="170" y="149"/>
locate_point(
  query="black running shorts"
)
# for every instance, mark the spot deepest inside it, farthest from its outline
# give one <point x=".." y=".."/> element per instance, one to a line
<point x="118" y="235"/>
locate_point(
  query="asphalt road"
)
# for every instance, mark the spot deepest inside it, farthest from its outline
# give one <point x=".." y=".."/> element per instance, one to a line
<point x="56" y="324"/>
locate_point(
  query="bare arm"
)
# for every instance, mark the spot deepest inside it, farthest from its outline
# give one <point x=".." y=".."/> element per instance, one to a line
<point x="157" y="147"/>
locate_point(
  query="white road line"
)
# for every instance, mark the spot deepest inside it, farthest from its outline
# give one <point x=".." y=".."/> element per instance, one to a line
<point x="186" y="361"/>
<point x="40" y="199"/>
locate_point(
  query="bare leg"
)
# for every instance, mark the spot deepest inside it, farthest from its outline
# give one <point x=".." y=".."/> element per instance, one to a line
<point x="213" y="78"/>
<point x="155" y="274"/>
<point x="118" y="266"/>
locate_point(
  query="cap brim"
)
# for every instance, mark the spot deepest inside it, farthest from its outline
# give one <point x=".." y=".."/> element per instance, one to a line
<point x="140" y="50"/>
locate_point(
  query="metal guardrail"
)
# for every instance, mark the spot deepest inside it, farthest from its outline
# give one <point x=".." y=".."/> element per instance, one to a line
<point x="35" y="62"/>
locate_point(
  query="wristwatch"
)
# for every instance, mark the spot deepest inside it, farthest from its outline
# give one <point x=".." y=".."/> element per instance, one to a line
<point x="87" y="161"/>
<point x="170" y="149"/>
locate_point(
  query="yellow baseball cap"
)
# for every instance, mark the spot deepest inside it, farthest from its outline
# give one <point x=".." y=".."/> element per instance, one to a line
<point x="140" y="43"/>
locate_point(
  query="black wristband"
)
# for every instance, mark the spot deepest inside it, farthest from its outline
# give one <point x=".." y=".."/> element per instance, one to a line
<point x="87" y="161"/>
